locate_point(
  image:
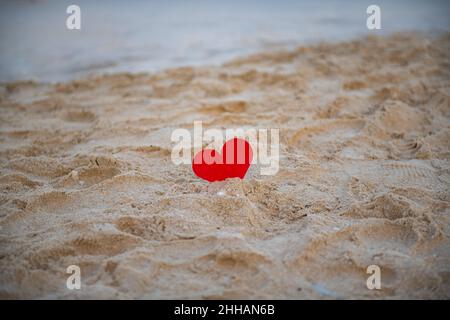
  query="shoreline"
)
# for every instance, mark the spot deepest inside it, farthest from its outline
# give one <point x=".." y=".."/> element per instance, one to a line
<point x="279" y="48"/>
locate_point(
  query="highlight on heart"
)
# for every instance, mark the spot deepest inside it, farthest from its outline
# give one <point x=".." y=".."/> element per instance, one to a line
<point x="216" y="154"/>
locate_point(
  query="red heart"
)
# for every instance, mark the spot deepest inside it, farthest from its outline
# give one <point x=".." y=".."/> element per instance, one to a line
<point x="233" y="162"/>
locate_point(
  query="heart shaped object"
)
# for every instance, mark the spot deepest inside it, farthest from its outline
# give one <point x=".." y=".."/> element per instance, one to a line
<point x="233" y="162"/>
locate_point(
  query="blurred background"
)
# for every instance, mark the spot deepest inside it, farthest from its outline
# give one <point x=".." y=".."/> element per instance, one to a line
<point x="138" y="36"/>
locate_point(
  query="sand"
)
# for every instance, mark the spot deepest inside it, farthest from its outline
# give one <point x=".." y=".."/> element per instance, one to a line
<point x="87" y="179"/>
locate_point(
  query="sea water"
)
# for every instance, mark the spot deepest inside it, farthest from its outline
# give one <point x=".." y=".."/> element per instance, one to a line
<point x="147" y="36"/>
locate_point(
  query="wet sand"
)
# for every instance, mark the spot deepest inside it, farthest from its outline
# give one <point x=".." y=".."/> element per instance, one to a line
<point x="86" y="179"/>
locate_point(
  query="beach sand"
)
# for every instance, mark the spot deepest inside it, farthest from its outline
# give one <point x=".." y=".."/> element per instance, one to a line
<point x="86" y="179"/>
